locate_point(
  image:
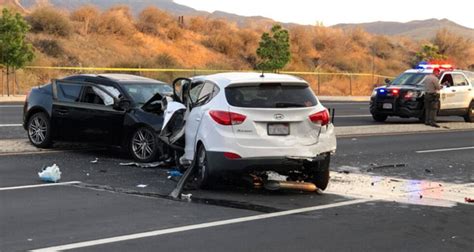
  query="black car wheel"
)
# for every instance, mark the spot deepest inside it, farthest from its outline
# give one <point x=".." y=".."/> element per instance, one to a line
<point x="144" y="145"/>
<point x="379" y="118"/>
<point x="39" y="130"/>
<point x="203" y="175"/>
<point x="319" y="175"/>
<point x="469" y="117"/>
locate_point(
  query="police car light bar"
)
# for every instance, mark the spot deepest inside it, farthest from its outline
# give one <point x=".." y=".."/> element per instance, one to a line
<point x="429" y="65"/>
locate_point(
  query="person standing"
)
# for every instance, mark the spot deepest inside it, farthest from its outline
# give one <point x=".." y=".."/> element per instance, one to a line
<point x="432" y="87"/>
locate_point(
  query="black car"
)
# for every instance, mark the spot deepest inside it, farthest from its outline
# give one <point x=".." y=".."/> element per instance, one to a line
<point x="108" y="109"/>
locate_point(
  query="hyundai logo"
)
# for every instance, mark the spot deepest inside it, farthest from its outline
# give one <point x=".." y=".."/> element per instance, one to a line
<point x="278" y="116"/>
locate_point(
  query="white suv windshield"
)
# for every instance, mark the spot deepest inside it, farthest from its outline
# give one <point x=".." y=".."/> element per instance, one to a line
<point x="409" y="79"/>
<point x="274" y="95"/>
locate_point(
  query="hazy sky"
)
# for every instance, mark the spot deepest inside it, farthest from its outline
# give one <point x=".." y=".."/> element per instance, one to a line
<point x="332" y="12"/>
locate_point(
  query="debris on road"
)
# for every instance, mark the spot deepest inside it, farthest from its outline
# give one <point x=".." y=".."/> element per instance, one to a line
<point x="387" y="166"/>
<point x="469" y="200"/>
<point x="174" y="174"/>
<point x="186" y="196"/>
<point x="143" y="165"/>
<point x="95" y="161"/>
<point x="427" y="170"/>
<point x="50" y="174"/>
<point x="141" y="186"/>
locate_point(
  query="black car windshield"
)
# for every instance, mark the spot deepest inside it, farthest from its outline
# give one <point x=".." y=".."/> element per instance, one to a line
<point x="408" y="79"/>
<point x="271" y="95"/>
<point x="141" y="93"/>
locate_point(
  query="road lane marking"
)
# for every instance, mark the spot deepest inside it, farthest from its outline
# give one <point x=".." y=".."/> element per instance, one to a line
<point x="443" y="150"/>
<point x="350" y="116"/>
<point x="11" y="125"/>
<point x="38" y="185"/>
<point x="197" y="226"/>
<point x="11" y="106"/>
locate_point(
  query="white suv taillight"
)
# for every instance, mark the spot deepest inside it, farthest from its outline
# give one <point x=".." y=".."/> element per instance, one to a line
<point x="322" y="117"/>
<point x="227" y="118"/>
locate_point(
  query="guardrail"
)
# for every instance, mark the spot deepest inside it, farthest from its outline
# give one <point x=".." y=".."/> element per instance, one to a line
<point x="323" y="83"/>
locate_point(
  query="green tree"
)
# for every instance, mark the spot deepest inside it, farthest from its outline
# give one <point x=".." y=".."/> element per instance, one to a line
<point x="15" y="52"/>
<point x="428" y="52"/>
<point x="274" y="49"/>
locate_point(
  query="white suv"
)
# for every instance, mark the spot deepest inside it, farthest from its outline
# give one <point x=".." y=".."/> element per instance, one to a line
<point x="249" y="122"/>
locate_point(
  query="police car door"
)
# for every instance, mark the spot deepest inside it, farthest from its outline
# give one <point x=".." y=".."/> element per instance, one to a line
<point x="462" y="91"/>
<point x="447" y="93"/>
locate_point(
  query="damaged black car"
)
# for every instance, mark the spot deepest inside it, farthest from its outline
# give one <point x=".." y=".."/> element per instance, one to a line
<point x="108" y="109"/>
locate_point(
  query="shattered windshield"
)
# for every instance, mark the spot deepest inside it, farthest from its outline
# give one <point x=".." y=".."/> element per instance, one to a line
<point x="141" y="93"/>
<point x="408" y="79"/>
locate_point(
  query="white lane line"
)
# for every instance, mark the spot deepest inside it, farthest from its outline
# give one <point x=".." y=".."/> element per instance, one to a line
<point x="350" y="116"/>
<point x="443" y="150"/>
<point x="196" y="226"/>
<point x="11" y="125"/>
<point x="38" y="185"/>
<point x="11" y="106"/>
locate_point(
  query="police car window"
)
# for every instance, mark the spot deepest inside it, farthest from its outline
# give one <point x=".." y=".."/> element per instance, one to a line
<point x="447" y="80"/>
<point x="68" y="92"/>
<point x="408" y="79"/>
<point x="459" y="80"/>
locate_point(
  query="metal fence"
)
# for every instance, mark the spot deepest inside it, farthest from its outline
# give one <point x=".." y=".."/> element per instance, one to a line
<point x="323" y="83"/>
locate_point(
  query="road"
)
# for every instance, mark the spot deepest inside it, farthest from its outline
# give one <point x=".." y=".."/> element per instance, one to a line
<point x="104" y="210"/>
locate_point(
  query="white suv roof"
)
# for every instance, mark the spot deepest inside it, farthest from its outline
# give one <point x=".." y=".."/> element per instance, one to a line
<point x="224" y="79"/>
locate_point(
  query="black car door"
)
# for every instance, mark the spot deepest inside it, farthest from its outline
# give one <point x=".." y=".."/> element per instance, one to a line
<point x="66" y="97"/>
<point x="92" y="117"/>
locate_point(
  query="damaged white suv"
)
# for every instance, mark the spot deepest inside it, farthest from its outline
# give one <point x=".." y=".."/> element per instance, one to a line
<point x="249" y="122"/>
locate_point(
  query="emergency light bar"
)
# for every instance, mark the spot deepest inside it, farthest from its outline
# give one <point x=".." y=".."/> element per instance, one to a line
<point x="428" y="65"/>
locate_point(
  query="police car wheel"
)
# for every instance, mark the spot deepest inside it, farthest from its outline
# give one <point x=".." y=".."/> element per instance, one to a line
<point x="469" y="117"/>
<point x="379" y="118"/>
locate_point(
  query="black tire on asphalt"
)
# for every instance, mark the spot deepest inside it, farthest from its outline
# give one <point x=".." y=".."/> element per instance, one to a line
<point x="39" y="130"/>
<point x="319" y="175"/>
<point x="379" y="118"/>
<point x="204" y="178"/>
<point x="143" y="145"/>
<point x="469" y="117"/>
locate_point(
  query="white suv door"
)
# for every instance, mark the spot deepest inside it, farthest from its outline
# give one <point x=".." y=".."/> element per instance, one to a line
<point x="462" y="91"/>
<point x="200" y="95"/>
<point x="448" y="92"/>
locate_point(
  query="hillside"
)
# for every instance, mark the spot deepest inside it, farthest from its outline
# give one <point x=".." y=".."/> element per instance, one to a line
<point x="419" y="29"/>
<point x="13" y="4"/>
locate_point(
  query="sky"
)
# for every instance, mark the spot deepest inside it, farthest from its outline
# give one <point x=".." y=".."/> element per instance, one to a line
<point x="332" y="12"/>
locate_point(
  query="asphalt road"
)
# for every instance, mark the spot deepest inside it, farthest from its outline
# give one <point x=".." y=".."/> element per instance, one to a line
<point x="108" y="204"/>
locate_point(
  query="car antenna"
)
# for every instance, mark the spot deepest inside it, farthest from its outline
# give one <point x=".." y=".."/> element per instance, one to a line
<point x="263" y="74"/>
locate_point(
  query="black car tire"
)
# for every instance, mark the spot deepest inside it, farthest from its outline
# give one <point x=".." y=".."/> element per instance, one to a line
<point x="39" y="130"/>
<point x="203" y="177"/>
<point x="469" y="117"/>
<point x="144" y="145"/>
<point x="379" y="117"/>
<point x="319" y="175"/>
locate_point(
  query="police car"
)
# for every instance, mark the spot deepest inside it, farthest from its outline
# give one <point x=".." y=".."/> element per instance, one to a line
<point x="404" y="96"/>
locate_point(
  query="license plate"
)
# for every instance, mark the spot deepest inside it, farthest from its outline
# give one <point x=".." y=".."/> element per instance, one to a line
<point x="278" y="129"/>
<point x="387" y="106"/>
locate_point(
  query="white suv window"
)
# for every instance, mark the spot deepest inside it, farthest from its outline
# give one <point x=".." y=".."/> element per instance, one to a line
<point x="459" y="80"/>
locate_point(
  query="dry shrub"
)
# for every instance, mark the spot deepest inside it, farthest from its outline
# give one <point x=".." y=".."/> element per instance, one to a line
<point x="87" y="15"/>
<point x="117" y="21"/>
<point x="51" y="21"/>
<point x="152" y="20"/>
<point x="49" y="47"/>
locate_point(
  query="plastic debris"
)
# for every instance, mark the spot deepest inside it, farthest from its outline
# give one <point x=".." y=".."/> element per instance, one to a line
<point x="143" y="165"/>
<point x="469" y="200"/>
<point x="50" y="174"/>
<point x="186" y="196"/>
<point x="141" y="186"/>
<point x="95" y="161"/>
<point x="174" y="173"/>
<point x="427" y="170"/>
<point x="386" y="166"/>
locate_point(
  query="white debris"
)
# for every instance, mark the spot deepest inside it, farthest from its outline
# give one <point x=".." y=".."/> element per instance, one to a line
<point x="50" y="174"/>
<point x="95" y="161"/>
<point x="186" y="196"/>
<point x="276" y="176"/>
<point x="141" y="186"/>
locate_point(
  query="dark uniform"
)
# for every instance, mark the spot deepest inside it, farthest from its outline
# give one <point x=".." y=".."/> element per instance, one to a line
<point x="432" y="87"/>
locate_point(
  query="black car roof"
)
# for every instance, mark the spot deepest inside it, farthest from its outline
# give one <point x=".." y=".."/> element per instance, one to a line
<point x="122" y="78"/>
